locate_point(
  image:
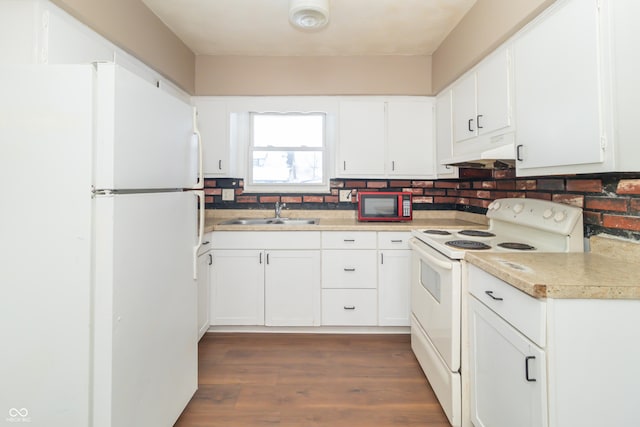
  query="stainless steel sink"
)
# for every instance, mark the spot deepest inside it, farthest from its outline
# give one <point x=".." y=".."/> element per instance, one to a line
<point x="271" y="221"/>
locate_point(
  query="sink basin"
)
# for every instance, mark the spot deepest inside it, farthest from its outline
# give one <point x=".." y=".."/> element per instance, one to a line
<point x="270" y="221"/>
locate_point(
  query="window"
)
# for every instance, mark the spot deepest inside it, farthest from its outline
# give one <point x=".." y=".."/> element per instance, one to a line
<point x="287" y="152"/>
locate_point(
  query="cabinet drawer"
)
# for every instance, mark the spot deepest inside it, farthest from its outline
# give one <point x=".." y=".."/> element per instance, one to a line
<point x="525" y="313"/>
<point x="393" y="240"/>
<point x="349" y="269"/>
<point x="349" y="307"/>
<point x="348" y="240"/>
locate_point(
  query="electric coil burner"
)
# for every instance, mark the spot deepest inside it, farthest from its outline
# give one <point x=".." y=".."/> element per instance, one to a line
<point x="437" y="232"/>
<point x="517" y="246"/>
<point x="467" y="244"/>
<point x="476" y="233"/>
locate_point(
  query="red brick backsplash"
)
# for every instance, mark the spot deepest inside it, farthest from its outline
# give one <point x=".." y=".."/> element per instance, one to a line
<point x="611" y="202"/>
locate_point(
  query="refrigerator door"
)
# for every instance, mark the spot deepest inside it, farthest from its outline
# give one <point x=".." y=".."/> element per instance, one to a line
<point x="145" y="136"/>
<point x="145" y="342"/>
<point x="45" y="244"/>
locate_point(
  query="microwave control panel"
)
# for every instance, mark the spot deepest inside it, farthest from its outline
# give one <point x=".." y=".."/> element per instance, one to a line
<point x="406" y="206"/>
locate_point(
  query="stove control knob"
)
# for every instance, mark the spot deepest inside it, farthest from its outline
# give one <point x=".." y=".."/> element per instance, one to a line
<point x="496" y="205"/>
<point x="548" y="213"/>
<point x="559" y="216"/>
<point x="518" y="207"/>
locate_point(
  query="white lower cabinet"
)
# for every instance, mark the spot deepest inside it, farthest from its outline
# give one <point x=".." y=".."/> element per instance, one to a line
<point x="550" y="362"/>
<point x="508" y="377"/>
<point x="349" y="278"/>
<point x="237" y="287"/>
<point x="278" y="286"/>
<point x="394" y="279"/>
<point x="331" y="278"/>
<point x="292" y="288"/>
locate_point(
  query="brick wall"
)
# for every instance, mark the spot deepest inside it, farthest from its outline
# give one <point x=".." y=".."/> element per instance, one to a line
<point x="611" y="202"/>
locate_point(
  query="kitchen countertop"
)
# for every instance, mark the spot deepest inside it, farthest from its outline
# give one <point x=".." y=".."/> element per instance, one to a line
<point x="610" y="271"/>
<point x="344" y="221"/>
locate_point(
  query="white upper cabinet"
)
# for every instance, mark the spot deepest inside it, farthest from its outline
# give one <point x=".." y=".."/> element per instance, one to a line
<point x="624" y="33"/>
<point x="481" y="100"/>
<point x="410" y="147"/>
<point x="213" y="124"/>
<point x="391" y="137"/>
<point x="558" y="92"/>
<point x="444" y="135"/>
<point x="361" y="138"/>
<point x="481" y="107"/>
<point x="576" y="80"/>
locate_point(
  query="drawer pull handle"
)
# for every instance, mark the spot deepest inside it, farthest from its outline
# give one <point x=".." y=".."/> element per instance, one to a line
<point x="396" y="241"/>
<point x="349" y="269"/>
<point x="526" y="368"/>
<point x="490" y="293"/>
<point x="349" y="240"/>
<point x="353" y="307"/>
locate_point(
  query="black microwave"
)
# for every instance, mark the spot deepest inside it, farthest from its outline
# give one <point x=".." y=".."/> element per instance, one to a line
<point x="384" y="206"/>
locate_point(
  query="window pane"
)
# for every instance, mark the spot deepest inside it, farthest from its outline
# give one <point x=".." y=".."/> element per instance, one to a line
<point x="287" y="167"/>
<point x="288" y="130"/>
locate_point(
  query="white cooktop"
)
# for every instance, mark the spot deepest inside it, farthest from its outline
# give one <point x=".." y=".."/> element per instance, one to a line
<point x="545" y="226"/>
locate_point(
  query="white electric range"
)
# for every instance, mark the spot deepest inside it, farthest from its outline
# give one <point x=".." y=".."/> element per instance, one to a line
<point x="439" y="284"/>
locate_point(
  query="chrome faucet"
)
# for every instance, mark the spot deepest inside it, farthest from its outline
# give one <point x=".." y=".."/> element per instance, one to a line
<point x="279" y="207"/>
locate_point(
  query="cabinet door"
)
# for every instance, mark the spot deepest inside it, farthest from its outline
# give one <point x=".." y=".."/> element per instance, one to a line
<point x="492" y="84"/>
<point x="508" y="373"/>
<point x="557" y="89"/>
<point x="361" y="139"/>
<point x="237" y="287"/>
<point x="213" y="123"/>
<point x="464" y="108"/>
<point x="410" y="146"/>
<point x="204" y="262"/>
<point x="394" y="284"/>
<point x="444" y="135"/>
<point x="292" y="288"/>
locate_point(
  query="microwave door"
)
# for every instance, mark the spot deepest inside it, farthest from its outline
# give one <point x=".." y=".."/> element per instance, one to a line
<point x="380" y="207"/>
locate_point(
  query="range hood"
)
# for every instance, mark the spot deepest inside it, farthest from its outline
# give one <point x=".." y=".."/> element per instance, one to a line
<point x="500" y="157"/>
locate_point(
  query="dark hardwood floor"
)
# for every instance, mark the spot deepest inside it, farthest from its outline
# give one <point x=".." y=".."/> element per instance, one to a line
<point x="299" y="380"/>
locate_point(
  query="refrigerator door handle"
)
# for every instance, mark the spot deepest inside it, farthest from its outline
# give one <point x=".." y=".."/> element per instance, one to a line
<point x="196" y="248"/>
<point x="200" y="183"/>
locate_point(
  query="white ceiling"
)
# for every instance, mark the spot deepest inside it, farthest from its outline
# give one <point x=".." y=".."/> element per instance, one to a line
<point x="356" y="27"/>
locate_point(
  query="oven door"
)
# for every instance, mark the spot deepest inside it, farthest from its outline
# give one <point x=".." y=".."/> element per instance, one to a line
<point x="435" y="300"/>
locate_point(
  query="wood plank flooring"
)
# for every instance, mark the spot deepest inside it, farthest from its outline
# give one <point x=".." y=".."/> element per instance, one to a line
<point x="300" y="380"/>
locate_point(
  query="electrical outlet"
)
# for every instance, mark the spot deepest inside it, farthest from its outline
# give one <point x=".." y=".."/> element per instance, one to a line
<point x="345" y="195"/>
<point x="228" y="194"/>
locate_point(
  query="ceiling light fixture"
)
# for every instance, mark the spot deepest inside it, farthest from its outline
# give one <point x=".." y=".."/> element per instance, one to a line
<point x="309" y="15"/>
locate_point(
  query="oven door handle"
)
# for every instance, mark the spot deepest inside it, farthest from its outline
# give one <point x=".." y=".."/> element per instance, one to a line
<point x="417" y="247"/>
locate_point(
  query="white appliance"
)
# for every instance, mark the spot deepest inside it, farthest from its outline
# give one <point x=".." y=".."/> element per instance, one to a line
<point x="98" y="241"/>
<point x="439" y="285"/>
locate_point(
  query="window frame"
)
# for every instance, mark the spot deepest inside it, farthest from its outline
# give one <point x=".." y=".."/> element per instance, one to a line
<point x="252" y="187"/>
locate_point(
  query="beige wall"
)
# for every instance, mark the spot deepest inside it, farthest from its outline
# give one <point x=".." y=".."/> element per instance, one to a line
<point x="380" y="75"/>
<point x="134" y="28"/>
<point x="485" y="27"/>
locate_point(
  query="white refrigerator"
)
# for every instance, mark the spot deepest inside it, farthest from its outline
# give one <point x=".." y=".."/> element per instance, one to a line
<point x="98" y="233"/>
